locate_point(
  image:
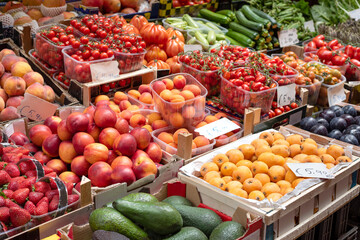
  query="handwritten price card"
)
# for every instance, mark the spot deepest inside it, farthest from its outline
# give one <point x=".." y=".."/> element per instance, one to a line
<point x="336" y="94"/>
<point x="310" y="25"/>
<point x="313" y="170"/>
<point x="192" y="47"/>
<point x="355" y="14"/>
<point x="104" y="71"/>
<point x="217" y="128"/>
<point x="286" y="94"/>
<point x="288" y="37"/>
<point x="36" y="108"/>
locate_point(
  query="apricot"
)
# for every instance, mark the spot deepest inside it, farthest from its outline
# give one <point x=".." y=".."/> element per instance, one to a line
<point x="227" y="179"/>
<point x="342" y="159"/>
<point x="268" y="137"/>
<point x="274" y="197"/>
<point x="294" y="149"/>
<point x="157" y="124"/>
<point x="241" y="174"/>
<point x="270" y="188"/>
<point x="176" y="119"/>
<point x="308" y="148"/>
<point x="295" y="139"/>
<point x="281" y="142"/>
<point x="168" y="83"/>
<point x="283" y="184"/>
<point x="120" y="96"/>
<point x="179" y="81"/>
<point x="193" y="88"/>
<point x="281" y="150"/>
<point x="152" y="117"/>
<point x="227" y="168"/>
<point x="335" y="151"/>
<point x="277" y="136"/>
<point x="187" y="95"/>
<point x="252" y="184"/>
<point x="246" y="163"/>
<point x="134" y="93"/>
<point x="259" y="167"/>
<point x="290" y="176"/>
<point x="210" y="175"/>
<point x="261" y="149"/>
<point x="101" y="98"/>
<point x="263" y="178"/>
<point x="166" y="95"/>
<point x="208" y="167"/>
<point x="233" y="184"/>
<point x="218" y="182"/>
<point x="256" y="195"/>
<point x="201" y="141"/>
<point x="296" y="182"/>
<point x="220" y="115"/>
<point x="248" y="150"/>
<point x="259" y="143"/>
<point x="239" y="192"/>
<point x="210" y="119"/>
<point x="235" y="155"/>
<point x="166" y="137"/>
<point x="276" y="173"/>
<point x="201" y="124"/>
<point x="189" y="112"/>
<point x="146" y="98"/>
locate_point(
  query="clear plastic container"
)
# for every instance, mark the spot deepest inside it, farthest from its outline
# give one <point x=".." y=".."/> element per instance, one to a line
<point x="342" y="68"/>
<point x="313" y="89"/>
<point x="11" y="232"/>
<point x="323" y="99"/>
<point x="181" y="114"/>
<point x="48" y="51"/>
<point x="48" y="69"/>
<point x="172" y="150"/>
<point x="145" y="105"/>
<point x="310" y="56"/>
<point x="59" y="82"/>
<point x="191" y="38"/>
<point x="239" y="99"/>
<point x="284" y="79"/>
<point x="78" y="70"/>
<point x="129" y="62"/>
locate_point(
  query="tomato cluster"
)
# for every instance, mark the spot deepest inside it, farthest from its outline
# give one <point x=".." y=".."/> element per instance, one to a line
<point x="276" y="111"/>
<point x="319" y="42"/>
<point x="235" y="54"/>
<point x="49" y="69"/>
<point x="61" y="77"/>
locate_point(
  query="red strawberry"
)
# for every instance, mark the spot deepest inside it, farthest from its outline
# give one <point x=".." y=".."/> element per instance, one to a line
<point x="54" y="203"/>
<point x="11" y="157"/>
<point x="44" y="199"/>
<point x="20" y="195"/>
<point x="42" y="207"/>
<point x="8" y="193"/>
<point x="28" y="183"/>
<point x="69" y="187"/>
<point x="31" y="173"/>
<point x="2" y="164"/>
<point x="4" y="215"/>
<point x="26" y="166"/>
<point x="8" y="149"/>
<point x="48" y="170"/>
<point x="72" y="198"/>
<point x="42" y="187"/>
<point x="2" y="201"/>
<point x="13" y="170"/>
<point x="15" y="183"/>
<point x="9" y="203"/>
<point x="1" y="150"/>
<point x="4" y="177"/>
<point x="53" y="184"/>
<point x="30" y="207"/>
<point x="35" y="197"/>
<point x="52" y="174"/>
<point x="51" y="194"/>
<point x="77" y="187"/>
<point x="19" y="216"/>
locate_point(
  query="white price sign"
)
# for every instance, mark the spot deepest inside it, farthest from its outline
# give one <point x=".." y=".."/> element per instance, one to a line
<point x="217" y="128"/>
<point x="310" y="25"/>
<point x="313" y="170"/>
<point x="104" y="70"/>
<point x="355" y="14"/>
<point x="286" y="94"/>
<point x="336" y="94"/>
<point x="190" y="47"/>
<point x="288" y="37"/>
<point x="36" y="108"/>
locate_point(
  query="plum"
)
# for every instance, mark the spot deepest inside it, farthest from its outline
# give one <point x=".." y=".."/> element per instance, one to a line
<point x="338" y="123"/>
<point x="349" y="139"/>
<point x="307" y="123"/>
<point x="319" y="129"/>
<point x="349" y="119"/>
<point x="323" y="122"/>
<point x="348" y="109"/>
<point x="336" y="133"/>
<point x="337" y="110"/>
<point x="328" y="114"/>
<point x="354" y="132"/>
<point x="357" y="119"/>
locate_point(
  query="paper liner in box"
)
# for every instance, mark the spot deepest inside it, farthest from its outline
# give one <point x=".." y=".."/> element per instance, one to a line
<point x="53" y="11"/>
<point x="7" y="20"/>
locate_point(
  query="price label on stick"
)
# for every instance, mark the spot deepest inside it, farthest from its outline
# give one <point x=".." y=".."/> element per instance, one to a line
<point x="286" y="94"/>
<point x="336" y="94"/>
<point x="355" y="14"/>
<point x="310" y="25"/>
<point x="288" y="37"/>
<point x="36" y="108"/>
<point x="313" y="170"/>
<point x="217" y="128"/>
<point x="104" y="71"/>
<point x="190" y="47"/>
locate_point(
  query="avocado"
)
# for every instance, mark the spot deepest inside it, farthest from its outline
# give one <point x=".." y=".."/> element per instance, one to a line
<point x="187" y="233"/>
<point x="177" y="200"/>
<point x="159" y="217"/>
<point x="203" y="219"/>
<point x="140" y="197"/>
<point x="227" y="230"/>
<point x="109" y="219"/>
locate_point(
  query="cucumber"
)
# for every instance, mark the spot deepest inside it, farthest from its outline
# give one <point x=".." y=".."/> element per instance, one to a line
<point x="241" y="29"/>
<point x="211" y="37"/>
<point x="220" y="36"/>
<point x="190" y="21"/>
<point x="258" y="27"/>
<point x="201" y="39"/>
<point x="249" y="14"/>
<point x="274" y="23"/>
<point x="228" y="13"/>
<point x="215" y="17"/>
<point x="234" y="42"/>
<point x="172" y="20"/>
<point x="213" y="26"/>
<point x="191" y="41"/>
<point x="241" y="38"/>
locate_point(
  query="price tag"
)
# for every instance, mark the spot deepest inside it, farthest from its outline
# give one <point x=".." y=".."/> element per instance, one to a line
<point x="286" y="94"/>
<point x="310" y="25"/>
<point x="217" y="128"/>
<point x="36" y="108"/>
<point x="295" y="118"/>
<point x="336" y="94"/>
<point x="355" y="14"/>
<point x="189" y="47"/>
<point x="288" y="37"/>
<point x="314" y="170"/>
<point x="104" y="71"/>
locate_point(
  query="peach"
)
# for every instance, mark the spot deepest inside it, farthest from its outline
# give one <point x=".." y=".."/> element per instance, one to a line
<point x="53" y="123"/>
<point x="146" y="98"/>
<point x="176" y="134"/>
<point x="166" y="137"/>
<point x="201" y="141"/>
<point x="2" y="69"/>
<point x="49" y="94"/>
<point x="210" y="119"/>
<point x="102" y="103"/>
<point x="19" y="69"/>
<point x="38" y="133"/>
<point x="14" y="86"/>
<point x="122" y="161"/>
<point x="193" y="145"/>
<point x="69" y="177"/>
<point x="51" y="144"/>
<point x="188" y="95"/>
<point x="63" y="132"/>
<point x="152" y="117"/>
<point x="3" y="78"/>
<point x="101" y="97"/>
<point x="42" y="157"/>
<point x="122" y="126"/>
<point x="137" y="120"/>
<point x="123" y="174"/>
<point x="5" y="52"/>
<point x="96" y="152"/>
<point x="175" y="92"/>
<point x="166" y="95"/>
<point x="9" y="60"/>
<point x="179" y="81"/>
<point x="188" y="112"/>
<point x="125" y="144"/>
<point x="90" y="110"/>
<point x="120" y="96"/>
<point x="35" y="14"/>
<point x="36" y="89"/>
<point x="176" y="119"/>
<point x="67" y="151"/>
<point x="77" y="122"/>
<point x="111" y="156"/>
<point x="94" y="131"/>
<point x="80" y="166"/>
<point x="115" y="108"/>
<point x="9" y="113"/>
<point x="157" y="124"/>
<point x="19" y="139"/>
<point x="105" y="117"/>
<point x="33" y="77"/>
<point x="3" y="95"/>
<point x="193" y="88"/>
<point x="177" y="101"/>
<point x="134" y="93"/>
<point x="144" y="88"/>
<point x="124" y="104"/>
<point x="57" y="165"/>
<point x="201" y="124"/>
<point x="154" y="151"/>
<point x="143" y="167"/>
<point x="157" y="86"/>
<point x="2" y="104"/>
<point x="133" y="108"/>
<point x="168" y="83"/>
<point x="142" y="137"/>
<point x="220" y="115"/>
<point x="14" y="101"/>
<point x="80" y="140"/>
<point x="100" y="174"/>
<point x="148" y="127"/>
<point x="138" y="154"/>
<point x="107" y="137"/>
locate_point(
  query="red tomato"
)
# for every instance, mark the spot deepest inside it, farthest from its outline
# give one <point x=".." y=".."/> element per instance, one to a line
<point x="287" y="108"/>
<point x="324" y="54"/>
<point x="278" y="112"/>
<point x="349" y="50"/>
<point x="338" y="60"/>
<point x="293" y="105"/>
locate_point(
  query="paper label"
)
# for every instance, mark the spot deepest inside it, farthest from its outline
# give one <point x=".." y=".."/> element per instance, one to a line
<point x="36" y="108"/>
<point x="189" y="47"/>
<point x="310" y="25"/>
<point x="217" y="128"/>
<point x="336" y="94"/>
<point x="355" y="14"/>
<point x="286" y="94"/>
<point x="9" y="130"/>
<point x="295" y="118"/>
<point x="104" y="71"/>
<point x="288" y="37"/>
<point x="313" y="170"/>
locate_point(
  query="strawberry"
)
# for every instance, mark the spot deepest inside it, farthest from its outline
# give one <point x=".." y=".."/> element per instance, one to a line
<point x="11" y="157"/>
<point x="31" y="173"/>
<point x="35" y="197"/>
<point x="51" y="194"/>
<point x="8" y="193"/>
<point x="19" y="216"/>
<point x="9" y="203"/>
<point x="42" y="187"/>
<point x="28" y="183"/>
<point x="54" y="203"/>
<point x="42" y="207"/>
<point x="8" y="149"/>
<point x="2" y="201"/>
<point x="52" y="174"/>
<point x="44" y="199"/>
<point x="15" y="183"/>
<point x="2" y="164"/>
<point x="53" y="184"/>
<point x="69" y="187"/>
<point x="4" y="177"/>
<point x="48" y="170"/>
<point x="20" y="195"/>
<point x="4" y="215"/>
<point x="72" y="198"/>
<point x="26" y="166"/>
<point x="12" y="169"/>
<point x="77" y="187"/>
<point x="30" y="207"/>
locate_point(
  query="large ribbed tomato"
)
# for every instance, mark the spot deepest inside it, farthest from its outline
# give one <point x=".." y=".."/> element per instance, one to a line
<point x="153" y="33"/>
<point x="171" y="32"/>
<point x="174" y="46"/>
<point x="139" y="21"/>
<point x="155" y="52"/>
<point x="129" y="28"/>
<point x="173" y="64"/>
<point x="158" y="64"/>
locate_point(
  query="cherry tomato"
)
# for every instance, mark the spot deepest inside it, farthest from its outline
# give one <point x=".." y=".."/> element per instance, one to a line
<point x="278" y="112"/>
<point x="293" y="105"/>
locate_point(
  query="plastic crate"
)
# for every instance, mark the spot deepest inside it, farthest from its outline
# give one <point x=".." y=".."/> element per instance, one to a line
<point x="48" y="69"/>
<point x="340" y="223"/>
<point x="313" y="89"/>
<point x="129" y="62"/>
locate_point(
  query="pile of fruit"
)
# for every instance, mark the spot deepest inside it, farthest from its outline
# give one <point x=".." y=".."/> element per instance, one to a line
<point x="259" y="170"/>
<point x="144" y="95"/>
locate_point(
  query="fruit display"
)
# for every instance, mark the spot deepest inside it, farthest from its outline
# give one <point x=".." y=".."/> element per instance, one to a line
<point x="44" y="65"/>
<point x="118" y="6"/>
<point x="144" y="95"/>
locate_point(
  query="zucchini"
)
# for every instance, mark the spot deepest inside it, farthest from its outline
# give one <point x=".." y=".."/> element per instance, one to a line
<point x="220" y="36"/>
<point x="234" y="42"/>
<point x="191" y="41"/>
<point x="201" y="25"/>
<point x="264" y="33"/>
<point x="213" y="26"/>
<point x="258" y="27"/>
<point x="249" y="14"/>
<point x="241" y="38"/>
<point x="190" y="21"/>
<point x="271" y="33"/>
<point x="215" y="17"/>
<point x="274" y="23"/>
<point x="211" y="37"/>
<point x="247" y="32"/>
<point x="268" y="39"/>
<point x="201" y="39"/>
<point x="261" y="41"/>
<point x="275" y="42"/>
<point x="228" y="13"/>
<point x="270" y="46"/>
